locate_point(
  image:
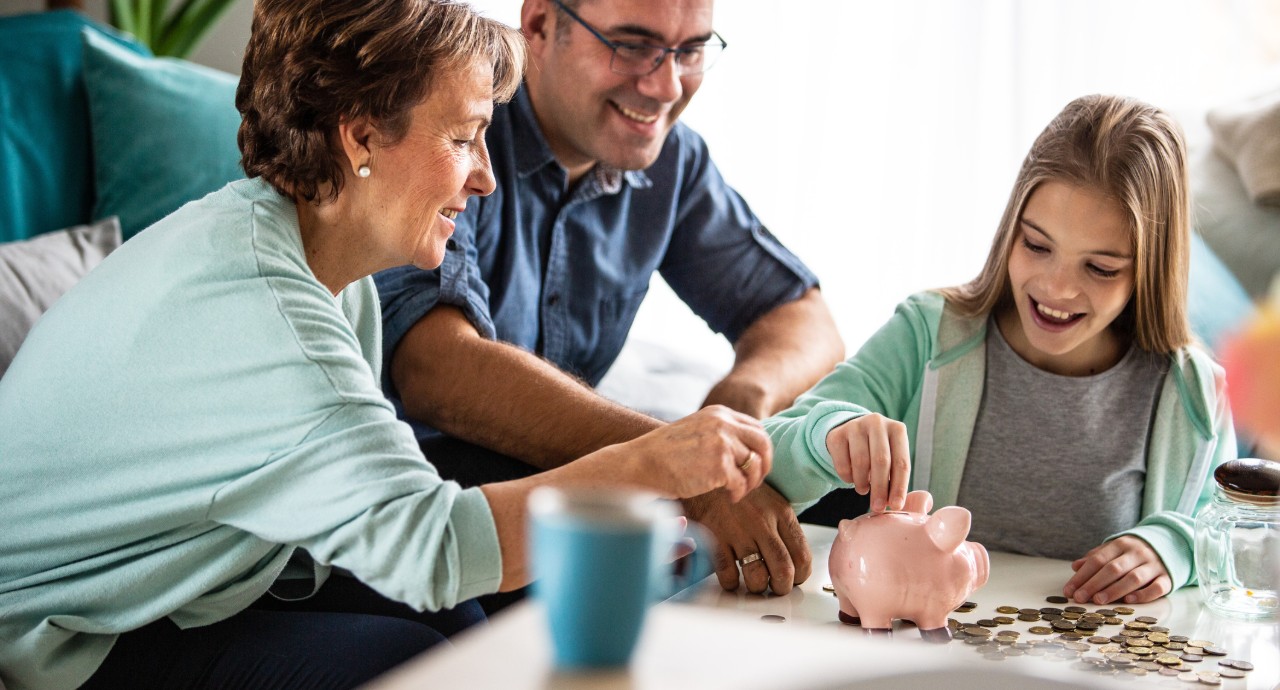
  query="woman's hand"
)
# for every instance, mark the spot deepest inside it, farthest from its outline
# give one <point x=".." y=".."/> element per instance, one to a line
<point x="712" y="448"/>
<point x="872" y="453"/>
<point x="1126" y="567"/>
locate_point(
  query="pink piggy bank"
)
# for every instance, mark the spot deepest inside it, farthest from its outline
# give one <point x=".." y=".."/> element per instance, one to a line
<point x="908" y="565"/>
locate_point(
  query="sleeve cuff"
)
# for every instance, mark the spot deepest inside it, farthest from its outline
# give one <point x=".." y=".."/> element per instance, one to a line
<point x="479" y="553"/>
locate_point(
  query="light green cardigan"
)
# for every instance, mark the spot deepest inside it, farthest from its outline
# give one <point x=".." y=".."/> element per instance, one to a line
<point x="927" y="367"/>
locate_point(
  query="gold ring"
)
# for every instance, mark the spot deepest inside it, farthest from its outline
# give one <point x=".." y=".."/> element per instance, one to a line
<point x="747" y="463"/>
<point x="749" y="558"/>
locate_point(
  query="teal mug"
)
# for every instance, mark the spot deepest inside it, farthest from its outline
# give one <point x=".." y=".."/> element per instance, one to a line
<point x="600" y="559"/>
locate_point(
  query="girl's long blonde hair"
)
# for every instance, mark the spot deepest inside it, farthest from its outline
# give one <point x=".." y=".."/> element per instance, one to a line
<point x="1135" y="154"/>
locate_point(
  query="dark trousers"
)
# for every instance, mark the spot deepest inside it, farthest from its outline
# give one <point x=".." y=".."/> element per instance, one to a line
<point x="841" y="504"/>
<point x="471" y="465"/>
<point x="343" y="636"/>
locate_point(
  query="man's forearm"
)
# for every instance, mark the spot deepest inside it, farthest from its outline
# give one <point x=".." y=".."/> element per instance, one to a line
<point x="500" y="397"/>
<point x="780" y="356"/>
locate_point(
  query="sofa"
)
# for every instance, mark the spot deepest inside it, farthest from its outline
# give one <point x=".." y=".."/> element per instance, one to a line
<point x="98" y="139"/>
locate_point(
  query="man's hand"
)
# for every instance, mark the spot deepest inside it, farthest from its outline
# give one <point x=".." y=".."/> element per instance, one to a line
<point x="762" y="523"/>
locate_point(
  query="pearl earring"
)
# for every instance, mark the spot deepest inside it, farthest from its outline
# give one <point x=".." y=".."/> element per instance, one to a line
<point x="363" y="171"/>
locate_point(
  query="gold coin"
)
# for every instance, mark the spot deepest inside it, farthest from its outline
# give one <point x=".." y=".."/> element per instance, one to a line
<point x="987" y="623"/>
<point x="1189" y="677"/>
<point x="1110" y="649"/>
<point x="1029" y="617"/>
<point x="1158" y="638"/>
<point x="1137" y="671"/>
<point x="1139" y="642"/>
<point x="1056" y="599"/>
<point x="1040" y="630"/>
<point x="1168" y="660"/>
<point x="1123" y="610"/>
<point x="1098" y="639"/>
<point x="829" y="588"/>
<point x="1149" y="620"/>
<point x="1135" y="625"/>
<point x="1112" y="620"/>
<point x="1006" y="609"/>
<point x="1003" y="620"/>
<point x="977" y="631"/>
<point x="1148" y="665"/>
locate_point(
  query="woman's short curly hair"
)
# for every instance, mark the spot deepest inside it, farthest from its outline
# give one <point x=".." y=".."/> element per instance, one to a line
<point x="311" y="64"/>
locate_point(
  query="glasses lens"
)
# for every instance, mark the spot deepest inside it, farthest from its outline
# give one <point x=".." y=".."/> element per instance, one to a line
<point x="638" y="60"/>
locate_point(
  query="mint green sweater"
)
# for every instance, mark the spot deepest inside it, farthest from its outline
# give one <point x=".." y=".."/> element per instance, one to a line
<point x="926" y="367"/>
<point x="193" y="411"/>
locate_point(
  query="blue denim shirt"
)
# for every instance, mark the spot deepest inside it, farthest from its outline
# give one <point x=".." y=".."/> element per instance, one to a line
<point x="561" y="271"/>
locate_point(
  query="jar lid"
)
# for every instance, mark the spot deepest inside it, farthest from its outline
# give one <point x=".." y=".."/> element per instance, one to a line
<point x="1251" y="480"/>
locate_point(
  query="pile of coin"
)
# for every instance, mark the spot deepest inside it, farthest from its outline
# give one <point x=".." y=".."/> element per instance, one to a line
<point x="1135" y="647"/>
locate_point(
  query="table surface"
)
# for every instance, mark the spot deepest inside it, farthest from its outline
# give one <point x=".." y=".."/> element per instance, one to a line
<point x="705" y="637"/>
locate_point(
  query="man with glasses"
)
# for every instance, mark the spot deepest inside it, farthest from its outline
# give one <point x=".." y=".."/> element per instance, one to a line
<point x="598" y="187"/>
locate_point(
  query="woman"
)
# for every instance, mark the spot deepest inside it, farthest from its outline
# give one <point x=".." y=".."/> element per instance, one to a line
<point x="1058" y="395"/>
<point x="200" y="419"/>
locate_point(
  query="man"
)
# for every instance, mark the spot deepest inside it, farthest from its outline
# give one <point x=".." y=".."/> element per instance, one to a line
<point x="598" y="187"/>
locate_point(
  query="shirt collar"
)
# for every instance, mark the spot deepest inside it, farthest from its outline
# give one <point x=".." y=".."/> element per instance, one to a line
<point x="533" y="153"/>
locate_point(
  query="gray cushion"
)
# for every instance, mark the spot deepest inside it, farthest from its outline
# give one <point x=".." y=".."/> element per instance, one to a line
<point x="1245" y="235"/>
<point x="35" y="273"/>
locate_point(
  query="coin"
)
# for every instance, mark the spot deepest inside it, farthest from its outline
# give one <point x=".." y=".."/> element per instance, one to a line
<point x="1236" y="663"/>
<point x="1179" y="638"/>
<point x="1228" y="672"/>
<point x="1147" y="619"/>
<point x="1137" y="671"/>
<point x="1051" y="616"/>
<point x="1189" y="677"/>
<point x="1158" y="638"/>
<point x="1040" y="630"/>
<point x="1105" y="612"/>
<point x="1110" y="649"/>
<point x="977" y="631"/>
<point x="829" y="588"/>
<point x="1123" y="610"/>
<point x="987" y="623"/>
<point x="1006" y="609"/>
<point x="1148" y="665"/>
<point x="1056" y="599"/>
<point x="1098" y="639"/>
<point x="1209" y="677"/>
<point x="773" y="618"/>
<point x="1199" y="643"/>
<point x="1139" y="642"/>
<point x="1029" y="617"/>
<point x="1112" y="620"/>
<point x="1175" y="646"/>
<point x="1075" y="609"/>
<point x="1130" y="634"/>
<point x="1157" y="629"/>
<point x="1135" y="625"/>
<point x="1192" y="658"/>
<point x="1003" y="620"/>
<point x="1168" y="660"/>
<point x="1193" y="650"/>
<point x="1167" y="671"/>
<point x="1214" y="650"/>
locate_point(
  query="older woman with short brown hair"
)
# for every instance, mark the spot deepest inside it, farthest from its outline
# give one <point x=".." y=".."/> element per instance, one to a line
<point x="203" y="484"/>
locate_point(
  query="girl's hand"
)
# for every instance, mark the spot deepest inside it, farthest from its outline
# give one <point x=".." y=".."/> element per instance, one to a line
<point x="1126" y="567"/>
<point x="712" y="448"/>
<point x="872" y="453"/>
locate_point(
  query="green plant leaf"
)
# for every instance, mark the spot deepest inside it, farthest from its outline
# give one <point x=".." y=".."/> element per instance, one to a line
<point x="188" y="25"/>
<point x="122" y="16"/>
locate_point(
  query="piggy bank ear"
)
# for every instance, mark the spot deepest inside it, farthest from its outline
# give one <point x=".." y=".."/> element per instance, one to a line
<point x="919" y="501"/>
<point x="948" y="527"/>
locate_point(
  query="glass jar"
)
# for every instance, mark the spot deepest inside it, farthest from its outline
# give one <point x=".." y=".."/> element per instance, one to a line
<point x="1238" y="541"/>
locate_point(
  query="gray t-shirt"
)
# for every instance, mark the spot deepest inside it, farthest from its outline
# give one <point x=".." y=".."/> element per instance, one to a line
<point x="1057" y="463"/>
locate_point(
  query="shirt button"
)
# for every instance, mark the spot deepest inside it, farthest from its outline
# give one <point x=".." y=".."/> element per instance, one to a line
<point x="451" y="245"/>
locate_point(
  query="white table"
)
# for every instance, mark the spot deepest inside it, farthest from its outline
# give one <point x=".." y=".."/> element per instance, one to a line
<point x="708" y="638"/>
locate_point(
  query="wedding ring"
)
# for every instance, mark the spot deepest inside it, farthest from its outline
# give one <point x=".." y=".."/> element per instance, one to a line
<point x="749" y="558"/>
<point x="751" y="457"/>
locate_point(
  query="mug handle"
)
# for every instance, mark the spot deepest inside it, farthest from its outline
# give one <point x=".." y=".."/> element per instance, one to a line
<point x="699" y="563"/>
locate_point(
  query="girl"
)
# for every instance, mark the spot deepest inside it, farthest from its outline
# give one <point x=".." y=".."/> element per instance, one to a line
<point x="1057" y="395"/>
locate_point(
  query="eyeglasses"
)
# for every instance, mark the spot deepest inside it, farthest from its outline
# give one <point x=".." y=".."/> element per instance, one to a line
<point x="640" y="59"/>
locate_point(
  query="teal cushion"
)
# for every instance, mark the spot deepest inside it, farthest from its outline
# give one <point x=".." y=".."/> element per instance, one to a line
<point x="46" y="177"/>
<point x="1216" y="302"/>
<point x="164" y="132"/>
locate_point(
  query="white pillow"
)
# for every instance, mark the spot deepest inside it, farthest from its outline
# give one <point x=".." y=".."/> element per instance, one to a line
<point x="34" y="274"/>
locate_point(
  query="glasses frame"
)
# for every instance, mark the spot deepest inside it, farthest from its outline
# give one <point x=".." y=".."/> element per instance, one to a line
<point x="614" y="45"/>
